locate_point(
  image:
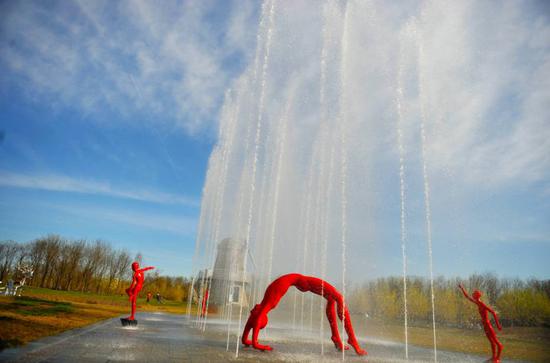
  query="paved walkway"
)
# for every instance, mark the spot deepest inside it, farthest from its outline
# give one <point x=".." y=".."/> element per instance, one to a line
<point x="172" y="338"/>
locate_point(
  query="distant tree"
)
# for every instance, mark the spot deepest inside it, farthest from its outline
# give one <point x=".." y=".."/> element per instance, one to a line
<point x="111" y="270"/>
<point x="62" y="264"/>
<point x="418" y="303"/>
<point x="123" y="261"/>
<point x="526" y="307"/>
<point x="102" y="266"/>
<point x="93" y="258"/>
<point x="539" y="285"/>
<point x="53" y="245"/>
<point x="75" y="255"/>
<point x="36" y="256"/>
<point x="8" y="253"/>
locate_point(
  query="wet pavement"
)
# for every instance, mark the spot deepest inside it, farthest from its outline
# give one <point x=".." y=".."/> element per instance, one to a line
<point x="172" y="338"/>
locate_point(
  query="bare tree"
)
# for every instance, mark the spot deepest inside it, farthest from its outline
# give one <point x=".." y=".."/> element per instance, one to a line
<point x="75" y="256"/>
<point x="491" y="286"/>
<point x="52" y="248"/>
<point x="8" y="253"/>
<point x="102" y="265"/>
<point x="36" y="256"/>
<point x="116" y="263"/>
<point x="122" y="264"/>
<point x="62" y="264"/>
<point x="94" y="256"/>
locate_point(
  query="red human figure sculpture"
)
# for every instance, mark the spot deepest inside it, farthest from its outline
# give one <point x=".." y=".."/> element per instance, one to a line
<point x="278" y="288"/>
<point x="204" y="302"/>
<point x="136" y="286"/>
<point x="484" y="311"/>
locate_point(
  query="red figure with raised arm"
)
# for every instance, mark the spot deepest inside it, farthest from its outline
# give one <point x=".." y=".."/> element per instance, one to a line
<point x="484" y="311"/>
<point x="136" y="286"/>
<point x="278" y="288"/>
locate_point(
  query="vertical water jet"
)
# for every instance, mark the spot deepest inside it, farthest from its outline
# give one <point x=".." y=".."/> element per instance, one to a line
<point x="343" y="156"/>
<point x="425" y="177"/>
<point x="255" y="157"/>
<point x="401" y="148"/>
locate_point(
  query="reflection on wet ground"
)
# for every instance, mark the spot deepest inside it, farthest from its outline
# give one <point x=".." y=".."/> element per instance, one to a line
<point x="173" y="338"/>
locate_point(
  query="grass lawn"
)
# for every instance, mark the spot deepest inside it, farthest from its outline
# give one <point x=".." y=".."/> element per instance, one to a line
<point x="525" y="343"/>
<point x="43" y="312"/>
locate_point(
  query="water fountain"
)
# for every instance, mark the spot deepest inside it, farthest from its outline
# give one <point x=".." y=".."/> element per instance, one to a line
<point x="272" y="168"/>
<point x="323" y="161"/>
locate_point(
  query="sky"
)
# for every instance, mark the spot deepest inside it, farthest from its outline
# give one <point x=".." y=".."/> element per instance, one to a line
<point x="110" y="111"/>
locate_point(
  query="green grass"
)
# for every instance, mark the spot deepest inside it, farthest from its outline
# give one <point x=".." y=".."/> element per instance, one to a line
<point x="43" y="312"/>
<point x="106" y="300"/>
<point x="524" y="343"/>
<point x="36" y="307"/>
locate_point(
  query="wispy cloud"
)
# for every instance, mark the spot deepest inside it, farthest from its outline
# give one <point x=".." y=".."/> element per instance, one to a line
<point x="177" y="224"/>
<point x="168" y="222"/>
<point x="63" y="183"/>
<point x="524" y="238"/>
<point x="488" y="89"/>
<point x="169" y="61"/>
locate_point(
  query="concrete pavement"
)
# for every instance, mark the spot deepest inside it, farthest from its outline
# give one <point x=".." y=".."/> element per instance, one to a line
<point x="172" y="338"/>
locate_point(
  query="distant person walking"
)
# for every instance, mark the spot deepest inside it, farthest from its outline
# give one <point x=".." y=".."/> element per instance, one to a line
<point x="159" y="298"/>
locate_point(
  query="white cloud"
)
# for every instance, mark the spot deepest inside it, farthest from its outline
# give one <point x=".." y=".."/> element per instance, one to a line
<point x="169" y="61"/>
<point x="181" y="225"/>
<point x="485" y="75"/>
<point x="63" y="183"/>
<point x="488" y="87"/>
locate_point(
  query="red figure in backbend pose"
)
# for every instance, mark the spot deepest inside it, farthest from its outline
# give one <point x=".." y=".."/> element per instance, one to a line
<point x="276" y="290"/>
<point x="135" y="287"/>
<point x="483" y="309"/>
<point x="204" y="302"/>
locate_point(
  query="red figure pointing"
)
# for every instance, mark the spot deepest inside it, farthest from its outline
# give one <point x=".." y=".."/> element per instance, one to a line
<point x="136" y="286"/>
<point x="483" y="309"/>
<point x="278" y="288"/>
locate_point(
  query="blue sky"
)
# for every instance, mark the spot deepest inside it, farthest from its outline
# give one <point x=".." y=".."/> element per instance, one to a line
<point x="131" y="186"/>
<point x="110" y="110"/>
<point x="108" y="116"/>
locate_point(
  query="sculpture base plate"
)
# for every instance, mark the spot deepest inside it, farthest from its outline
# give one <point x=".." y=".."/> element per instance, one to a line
<point x="128" y="322"/>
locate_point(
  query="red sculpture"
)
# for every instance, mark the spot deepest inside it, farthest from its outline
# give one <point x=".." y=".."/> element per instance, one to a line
<point x="136" y="286"/>
<point x="278" y="288"/>
<point x="204" y="303"/>
<point x="483" y="309"/>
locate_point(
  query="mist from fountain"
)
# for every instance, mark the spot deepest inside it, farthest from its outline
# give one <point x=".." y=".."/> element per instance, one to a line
<point x="325" y="157"/>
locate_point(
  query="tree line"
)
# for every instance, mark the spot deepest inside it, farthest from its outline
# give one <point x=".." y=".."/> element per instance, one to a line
<point x="517" y="302"/>
<point x="95" y="266"/>
<point x="80" y="265"/>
